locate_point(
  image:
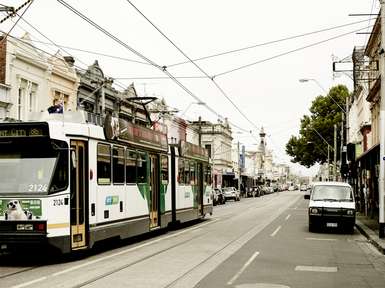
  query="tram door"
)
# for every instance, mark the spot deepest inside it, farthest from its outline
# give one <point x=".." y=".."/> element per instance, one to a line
<point x="78" y="194"/>
<point x="154" y="190"/>
<point x="200" y="188"/>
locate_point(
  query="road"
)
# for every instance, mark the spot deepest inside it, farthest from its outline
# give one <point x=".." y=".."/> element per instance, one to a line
<point x="257" y="242"/>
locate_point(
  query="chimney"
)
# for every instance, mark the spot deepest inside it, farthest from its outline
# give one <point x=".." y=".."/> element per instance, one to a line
<point x="70" y="60"/>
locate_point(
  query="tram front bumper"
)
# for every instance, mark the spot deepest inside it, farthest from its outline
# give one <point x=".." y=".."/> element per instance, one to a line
<point x="18" y="233"/>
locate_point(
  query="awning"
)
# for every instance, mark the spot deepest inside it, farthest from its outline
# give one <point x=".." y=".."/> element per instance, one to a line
<point x="363" y="155"/>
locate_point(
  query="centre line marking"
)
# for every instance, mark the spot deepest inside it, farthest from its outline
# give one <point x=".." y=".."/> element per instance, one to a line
<point x="321" y="239"/>
<point x="316" y="269"/>
<point x="235" y="277"/>
<point x="276" y="231"/>
<point x="287" y="217"/>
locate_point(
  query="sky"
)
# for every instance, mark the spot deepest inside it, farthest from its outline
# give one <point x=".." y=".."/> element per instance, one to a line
<point x="266" y="93"/>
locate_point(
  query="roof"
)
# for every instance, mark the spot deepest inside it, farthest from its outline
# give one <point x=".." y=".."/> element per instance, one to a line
<point x="331" y="183"/>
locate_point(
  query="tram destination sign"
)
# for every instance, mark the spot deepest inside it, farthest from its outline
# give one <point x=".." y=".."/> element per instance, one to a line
<point x="120" y="129"/>
<point x="17" y="130"/>
<point x="188" y="149"/>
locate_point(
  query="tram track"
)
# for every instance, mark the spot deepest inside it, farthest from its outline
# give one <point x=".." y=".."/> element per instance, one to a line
<point x="206" y="259"/>
<point x="6" y="275"/>
<point x="106" y="274"/>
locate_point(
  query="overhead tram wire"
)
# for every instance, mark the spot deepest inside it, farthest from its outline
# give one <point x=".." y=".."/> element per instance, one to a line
<point x="270" y="42"/>
<point x="163" y="69"/>
<point x="93" y="52"/>
<point x="196" y="65"/>
<point x="288" y="52"/>
<point x="14" y="25"/>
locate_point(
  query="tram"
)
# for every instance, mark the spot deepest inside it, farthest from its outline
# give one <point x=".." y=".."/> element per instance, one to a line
<point x="67" y="183"/>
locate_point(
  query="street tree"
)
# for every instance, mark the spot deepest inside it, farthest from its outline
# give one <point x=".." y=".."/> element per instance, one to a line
<point x="317" y="129"/>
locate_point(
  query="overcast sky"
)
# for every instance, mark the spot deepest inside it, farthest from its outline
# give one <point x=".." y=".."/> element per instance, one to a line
<point x="267" y="94"/>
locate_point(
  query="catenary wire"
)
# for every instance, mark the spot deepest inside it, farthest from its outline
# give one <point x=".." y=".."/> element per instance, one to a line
<point x="163" y="69"/>
<point x="270" y="42"/>
<point x="14" y="25"/>
<point x="196" y="65"/>
<point x="288" y="52"/>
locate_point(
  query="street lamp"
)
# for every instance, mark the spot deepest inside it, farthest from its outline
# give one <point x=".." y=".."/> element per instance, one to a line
<point x="189" y="105"/>
<point x="303" y="80"/>
<point x="329" y="147"/>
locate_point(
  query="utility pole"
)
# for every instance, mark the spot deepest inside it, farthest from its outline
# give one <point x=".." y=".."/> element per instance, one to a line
<point x="328" y="163"/>
<point x="239" y="168"/>
<point x="342" y="143"/>
<point x="381" y="192"/>
<point x="335" y="154"/>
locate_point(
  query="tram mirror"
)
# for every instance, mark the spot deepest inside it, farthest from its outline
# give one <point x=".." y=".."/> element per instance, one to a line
<point x="73" y="159"/>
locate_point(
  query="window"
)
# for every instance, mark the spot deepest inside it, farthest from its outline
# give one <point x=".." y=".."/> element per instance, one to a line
<point x="60" y="98"/>
<point x="142" y="168"/>
<point x="118" y="165"/>
<point x="104" y="164"/>
<point x="130" y="166"/>
<point x="208" y="148"/>
<point x="164" y="167"/>
<point x="60" y="177"/>
<point x="193" y="180"/>
<point x="180" y="171"/>
<point x="208" y="175"/>
<point x="186" y="174"/>
<point x="27" y="98"/>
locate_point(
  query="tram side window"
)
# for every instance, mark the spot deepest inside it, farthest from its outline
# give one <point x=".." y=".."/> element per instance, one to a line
<point x="130" y="166"/>
<point x="118" y="165"/>
<point x="164" y="171"/>
<point x="193" y="173"/>
<point x="104" y="164"/>
<point x="180" y="170"/>
<point x="142" y="168"/>
<point x="186" y="176"/>
<point x="208" y="178"/>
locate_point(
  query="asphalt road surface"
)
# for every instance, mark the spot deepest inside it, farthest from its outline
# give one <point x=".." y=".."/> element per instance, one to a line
<point x="257" y="242"/>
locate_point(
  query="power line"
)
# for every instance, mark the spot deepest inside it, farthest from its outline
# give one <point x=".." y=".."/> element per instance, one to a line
<point x="270" y="42"/>
<point x="93" y="52"/>
<point x="163" y="69"/>
<point x="288" y="52"/>
<point x="29" y="2"/>
<point x="196" y="65"/>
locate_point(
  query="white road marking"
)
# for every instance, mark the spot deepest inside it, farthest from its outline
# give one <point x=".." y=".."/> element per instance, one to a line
<point x="287" y="217"/>
<point x="321" y="239"/>
<point x="276" y="231"/>
<point x="316" y="269"/>
<point x="112" y="255"/>
<point x="30" y="282"/>
<point x="235" y="277"/>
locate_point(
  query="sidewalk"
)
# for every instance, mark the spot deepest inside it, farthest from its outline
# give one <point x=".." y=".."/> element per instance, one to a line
<point x="369" y="228"/>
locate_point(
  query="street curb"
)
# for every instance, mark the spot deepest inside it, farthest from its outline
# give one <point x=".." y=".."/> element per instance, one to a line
<point x="371" y="236"/>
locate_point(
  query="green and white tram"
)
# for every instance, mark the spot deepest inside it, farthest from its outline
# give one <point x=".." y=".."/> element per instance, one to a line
<point x="68" y="183"/>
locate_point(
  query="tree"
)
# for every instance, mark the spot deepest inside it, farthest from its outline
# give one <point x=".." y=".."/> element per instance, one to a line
<point x="317" y="130"/>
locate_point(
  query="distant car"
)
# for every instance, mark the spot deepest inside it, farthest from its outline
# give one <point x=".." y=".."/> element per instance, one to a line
<point x="303" y="187"/>
<point x="231" y="193"/>
<point x="291" y="188"/>
<point x="219" y="197"/>
<point x="331" y="205"/>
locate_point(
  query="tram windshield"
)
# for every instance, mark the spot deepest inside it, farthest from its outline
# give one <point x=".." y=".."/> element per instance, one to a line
<point x="33" y="166"/>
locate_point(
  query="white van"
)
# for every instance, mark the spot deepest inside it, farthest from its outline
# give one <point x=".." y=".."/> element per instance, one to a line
<point x="331" y="205"/>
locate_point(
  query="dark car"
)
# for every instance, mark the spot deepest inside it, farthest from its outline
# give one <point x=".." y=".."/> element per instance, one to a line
<point x="219" y="198"/>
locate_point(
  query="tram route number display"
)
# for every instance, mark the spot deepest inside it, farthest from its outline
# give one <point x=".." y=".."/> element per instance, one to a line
<point x="31" y="205"/>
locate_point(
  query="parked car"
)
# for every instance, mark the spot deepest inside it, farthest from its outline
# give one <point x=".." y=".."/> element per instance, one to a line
<point x="253" y="192"/>
<point x="331" y="205"/>
<point x="291" y="188"/>
<point x="219" y="197"/>
<point x="231" y="193"/>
